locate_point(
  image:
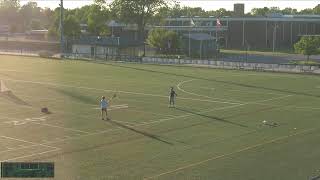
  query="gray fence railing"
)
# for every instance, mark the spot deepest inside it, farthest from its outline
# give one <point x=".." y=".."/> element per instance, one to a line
<point x="238" y="65"/>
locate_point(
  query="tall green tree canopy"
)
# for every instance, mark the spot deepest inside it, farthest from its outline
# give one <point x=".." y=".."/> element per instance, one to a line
<point x="308" y="46"/>
<point x="163" y="40"/>
<point x="139" y="12"/>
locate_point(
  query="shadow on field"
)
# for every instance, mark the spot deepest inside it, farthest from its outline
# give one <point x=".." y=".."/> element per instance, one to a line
<point x="13" y="98"/>
<point x="211" y="117"/>
<point x="152" y="136"/>
<point x="77" y="96"/>
<point x="220" y="81"/>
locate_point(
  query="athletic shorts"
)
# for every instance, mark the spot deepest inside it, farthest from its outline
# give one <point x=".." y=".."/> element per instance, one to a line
<point x="103" y="109"/>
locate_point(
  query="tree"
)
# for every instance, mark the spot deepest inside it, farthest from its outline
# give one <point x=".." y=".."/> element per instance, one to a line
<point x="9" y="13"/>
<point x="306" y="11"/>
<point x="29" y="13"/>
<point x="97" y="19"/>
<point x="316" y="10"/>
<point x="163" y="40"/>
<point x="260" y="11"/>
<point x="71" y="26"/>
<point x="138" y="12"/>
<point x="308" y="46"/>
<point x="289" y="11"/>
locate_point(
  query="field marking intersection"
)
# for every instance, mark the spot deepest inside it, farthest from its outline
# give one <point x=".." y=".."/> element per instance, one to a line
<point x="20" y="147"/>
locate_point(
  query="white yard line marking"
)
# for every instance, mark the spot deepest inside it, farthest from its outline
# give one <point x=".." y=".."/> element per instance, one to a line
<point x="120" y="106"/>
<point x="14" y="149"/>
<point x="162" y="120"/>
<point x="29" y="120"/>
<point x="25" y="141"/>
<point x="34" y="154"/>
<point x="255" y="92"/>
<point x="229" y="154"/>
<point x="211" y="98"/>
<point x="71" y="129"/>
<point x="108" y="90"/>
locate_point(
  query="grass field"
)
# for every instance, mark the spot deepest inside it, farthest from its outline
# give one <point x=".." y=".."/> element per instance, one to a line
<point x="214" y="133"/>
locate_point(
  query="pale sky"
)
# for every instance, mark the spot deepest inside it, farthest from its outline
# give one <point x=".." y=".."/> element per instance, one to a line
<point x="205" y="4"/>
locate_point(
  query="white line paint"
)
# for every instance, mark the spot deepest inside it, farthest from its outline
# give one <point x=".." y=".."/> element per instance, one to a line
<point x="50" y="125"/>
<point x="22" y="122"/>
<point x="161" y="120"/>
<point x="255" y="92"/>
<point x="229" y="154"/>
<point x="34" y="154"/>
<point x="14" y="149"/>
<point x="211" y="99"/>
<point x="21" y="140"/>
<point x="108" y="90"/>
<point x="122" y="106"/>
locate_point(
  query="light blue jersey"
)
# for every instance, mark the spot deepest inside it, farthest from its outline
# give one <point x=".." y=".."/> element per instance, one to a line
<point x="103" y="103"/>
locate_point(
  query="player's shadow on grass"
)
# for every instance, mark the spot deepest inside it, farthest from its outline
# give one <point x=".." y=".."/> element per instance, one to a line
<point x="77" y="96"/>
<point x="220" y="81"/>
<point x="152" y="136"/>
<point x="13" y="98"/>
<point x="210" y="117"/>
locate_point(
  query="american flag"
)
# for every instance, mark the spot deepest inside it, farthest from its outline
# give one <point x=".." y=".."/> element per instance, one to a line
<point x="218" y="23"/>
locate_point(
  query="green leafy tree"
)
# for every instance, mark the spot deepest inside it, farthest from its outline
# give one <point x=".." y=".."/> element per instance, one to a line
<point x="306" y="11"/>
<point x="29" y="13"/>
<point x="308" y="46"/>
<point x="289" y="11"/>
<point x="97" y="18"/>
<point x="71" y="26"/>
<point x="260" y="11"/>
<point x="163" y="40"/>
<point x="138" y="12"/>
<point x="316" y="10"/>
<point x="9" y="14"/>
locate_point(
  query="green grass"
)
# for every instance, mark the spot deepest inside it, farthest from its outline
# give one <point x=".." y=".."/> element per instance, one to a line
<point x="257" y="52"/>
<point x="304" y="62"/>
<point x="216" y="131"/>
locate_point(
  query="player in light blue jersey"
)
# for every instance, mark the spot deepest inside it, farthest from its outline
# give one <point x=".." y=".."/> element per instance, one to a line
<point x="104" y="106"/>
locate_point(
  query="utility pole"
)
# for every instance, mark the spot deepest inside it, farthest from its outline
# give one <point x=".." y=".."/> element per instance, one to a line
<point x="61" y="29"/>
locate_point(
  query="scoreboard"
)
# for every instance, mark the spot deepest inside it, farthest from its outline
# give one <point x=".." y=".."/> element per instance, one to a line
<point x="27" y="169"/>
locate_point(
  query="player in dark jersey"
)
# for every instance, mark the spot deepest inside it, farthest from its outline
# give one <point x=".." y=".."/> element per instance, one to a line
<point x="172" y="97"/>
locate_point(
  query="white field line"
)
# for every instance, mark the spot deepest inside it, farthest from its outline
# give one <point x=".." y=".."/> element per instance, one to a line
<point x="120" y="106"/>
<point x="24" y="147"/>
<point x="108" y="90"/>
<point x="211" y="98"/>
<point x="44" y="124"/>
<point x="55" y="74"/>
<point x="14" y="149"/>
<point x="29" y="142"/>
<point x="254" y="92"/>
<point x="220" y="75"/>
<point x="160" y="120"/>
<point x="229" y="154"/>
<point x="34" y="154"/>
<point x="87" y="104"/>
<point x="71" y="129"/>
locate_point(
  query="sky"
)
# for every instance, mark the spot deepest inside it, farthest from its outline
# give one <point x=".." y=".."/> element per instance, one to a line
<point x="205" y="4"/>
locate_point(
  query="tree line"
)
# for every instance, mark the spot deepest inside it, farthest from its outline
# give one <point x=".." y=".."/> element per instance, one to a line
<point x="139" y="12"/>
